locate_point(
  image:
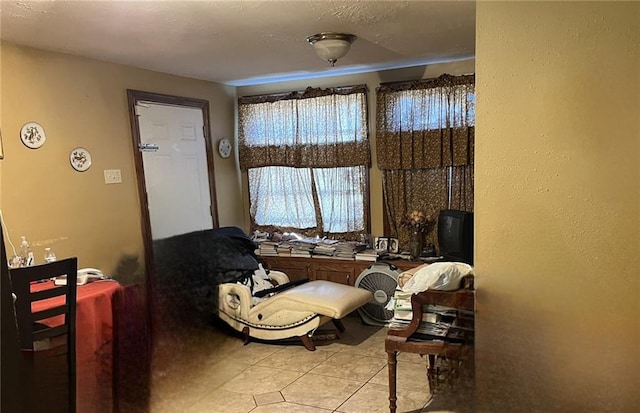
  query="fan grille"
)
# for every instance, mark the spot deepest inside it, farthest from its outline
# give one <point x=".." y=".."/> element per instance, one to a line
<point x="382" y="285"/>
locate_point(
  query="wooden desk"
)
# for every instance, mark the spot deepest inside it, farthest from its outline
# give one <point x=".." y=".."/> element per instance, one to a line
<point x="94" y="342"/>
<point x="340" y="271"/>
<point x="402" y="340"/>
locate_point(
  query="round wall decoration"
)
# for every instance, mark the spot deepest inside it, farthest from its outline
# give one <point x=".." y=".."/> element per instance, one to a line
<point x="224" y="148"/>
<point x="80" y="159"/>
<point x="32" y="135"/>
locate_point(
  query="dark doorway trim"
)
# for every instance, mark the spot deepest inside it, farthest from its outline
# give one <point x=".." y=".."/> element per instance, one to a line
<point x="134" y="97"/>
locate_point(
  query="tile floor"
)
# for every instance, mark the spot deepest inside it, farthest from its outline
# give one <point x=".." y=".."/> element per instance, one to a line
<point x="210" y="370"/>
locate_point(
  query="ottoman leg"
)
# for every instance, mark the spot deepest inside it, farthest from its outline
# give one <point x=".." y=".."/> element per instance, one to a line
<point x="308" y="344"/>
<point x="245" y="335"/>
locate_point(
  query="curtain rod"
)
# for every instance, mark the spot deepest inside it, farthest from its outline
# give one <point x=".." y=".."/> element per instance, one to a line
<point x="431" y="82"/>
<point x="301" y="94"/>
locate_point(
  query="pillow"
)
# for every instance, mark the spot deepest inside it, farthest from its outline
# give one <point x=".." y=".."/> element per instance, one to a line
<point x="259" y="281"/>
<point x="445" y="276"/>
<point x="408" y="274"/>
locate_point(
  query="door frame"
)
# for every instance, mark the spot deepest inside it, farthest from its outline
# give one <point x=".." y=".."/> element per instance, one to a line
<point x="134" y="97"/>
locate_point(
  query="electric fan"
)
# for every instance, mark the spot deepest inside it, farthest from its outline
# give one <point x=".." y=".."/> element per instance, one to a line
<point x="382" y="280"/>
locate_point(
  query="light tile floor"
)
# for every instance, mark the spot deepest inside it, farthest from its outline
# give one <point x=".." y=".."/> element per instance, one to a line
<point x="210" y="370"/>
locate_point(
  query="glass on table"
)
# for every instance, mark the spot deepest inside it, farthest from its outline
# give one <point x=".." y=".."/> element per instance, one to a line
<point x="49" y="256"/>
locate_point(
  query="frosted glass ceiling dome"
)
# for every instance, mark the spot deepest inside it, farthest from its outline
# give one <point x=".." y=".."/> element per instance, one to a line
<point x="331" y="46"/>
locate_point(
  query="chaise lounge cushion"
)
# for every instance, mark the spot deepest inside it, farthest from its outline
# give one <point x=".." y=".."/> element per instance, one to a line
<point x="322" y="297"/>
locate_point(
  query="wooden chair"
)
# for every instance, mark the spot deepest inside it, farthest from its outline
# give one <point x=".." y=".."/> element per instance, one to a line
<point x="12" y="366"/>
<point x="48" y="336"/>
<point x="402" y="339"/>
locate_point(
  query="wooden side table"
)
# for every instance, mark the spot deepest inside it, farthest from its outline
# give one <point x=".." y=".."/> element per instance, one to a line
<point x="405" y="340"/>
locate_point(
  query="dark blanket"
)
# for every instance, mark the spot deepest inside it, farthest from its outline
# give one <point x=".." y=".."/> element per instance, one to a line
<point x="189" y="267"/>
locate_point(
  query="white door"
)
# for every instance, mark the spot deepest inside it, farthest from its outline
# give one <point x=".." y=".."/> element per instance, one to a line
<point x="176" y="173"/>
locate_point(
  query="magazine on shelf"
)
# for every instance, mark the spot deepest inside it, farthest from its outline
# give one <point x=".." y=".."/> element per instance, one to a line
<point x="367" y="255"/>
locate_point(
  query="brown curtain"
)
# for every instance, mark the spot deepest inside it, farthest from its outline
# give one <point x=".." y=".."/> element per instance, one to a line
<point x="310" y="129"/>
<point x="407" y="190"/>
<point x="462" y="188"/>
<point x="425" y="146"/>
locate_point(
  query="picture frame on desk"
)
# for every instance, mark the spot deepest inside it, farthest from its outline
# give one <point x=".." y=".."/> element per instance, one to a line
<point x="382" y="243"/>
<point x="387" y="244"/>
<point x="394" y="245"/>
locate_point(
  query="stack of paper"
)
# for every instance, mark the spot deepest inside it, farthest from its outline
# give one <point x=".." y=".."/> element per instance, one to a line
<point x="268" y="249"/>
<point x="367" y="255"/>
<point x="300" y="248"/>
<point x="402" y="309"/>
<point x="347" y="250"/>
<point x="324" y="249"/>
<point x="284" y="250"/>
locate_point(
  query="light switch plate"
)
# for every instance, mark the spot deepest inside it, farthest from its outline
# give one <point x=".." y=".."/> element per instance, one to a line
<point x="112" y="176"/>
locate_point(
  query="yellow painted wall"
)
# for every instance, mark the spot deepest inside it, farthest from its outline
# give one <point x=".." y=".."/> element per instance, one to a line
<point x="557" y="187"/>
<point x="82" y="102"/>
<point x="372" y="80"/>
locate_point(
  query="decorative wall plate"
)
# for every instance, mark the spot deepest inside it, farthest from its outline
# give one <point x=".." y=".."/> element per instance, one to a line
<point x="80" y="159"/>
<point x="32" y="135"/>
<point x="224" y="148"/>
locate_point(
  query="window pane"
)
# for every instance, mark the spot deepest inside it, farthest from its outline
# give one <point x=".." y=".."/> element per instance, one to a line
<point x="283" y="197"/>
<point x="323" y="120"/>
<point x="430" y="109"/>
<point x="341" y="198"/>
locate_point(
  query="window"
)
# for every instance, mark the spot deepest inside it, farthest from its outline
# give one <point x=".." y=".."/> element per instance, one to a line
<point x="307" y="158"/>
<point x="425" y="142"/>
<point x="418" y="110"/>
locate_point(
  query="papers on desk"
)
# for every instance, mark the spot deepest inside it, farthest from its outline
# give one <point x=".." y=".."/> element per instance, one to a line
<point x="367" y="255"/>
<point x="312" y="247"/>
<point x="437" y="322"/>
<point x="400" y="304"/>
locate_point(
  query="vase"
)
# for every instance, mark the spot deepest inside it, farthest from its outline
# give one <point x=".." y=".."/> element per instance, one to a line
<point x="415" y="244"/>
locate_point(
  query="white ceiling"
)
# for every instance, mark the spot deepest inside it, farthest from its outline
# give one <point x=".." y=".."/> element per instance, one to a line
<point x="244" y="42"/>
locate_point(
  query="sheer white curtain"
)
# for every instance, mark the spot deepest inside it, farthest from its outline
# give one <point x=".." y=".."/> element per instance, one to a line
<point x="307" y="156"/>
<point x="284" y="197"/>
<point x="281" y="196"/>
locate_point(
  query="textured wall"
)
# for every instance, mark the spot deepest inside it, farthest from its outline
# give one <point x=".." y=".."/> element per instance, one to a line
<point x="83" y="102"/>
<point x="557" y="206"/>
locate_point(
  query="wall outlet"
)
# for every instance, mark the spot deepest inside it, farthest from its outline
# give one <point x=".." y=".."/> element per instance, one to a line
<point x="112" y="176"/>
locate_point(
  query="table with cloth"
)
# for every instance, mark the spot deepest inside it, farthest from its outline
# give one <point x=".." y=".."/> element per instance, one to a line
<point x="94" y="342"/>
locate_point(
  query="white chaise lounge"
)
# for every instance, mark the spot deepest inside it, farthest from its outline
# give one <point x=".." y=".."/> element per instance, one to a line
<point x="295" y="312"/>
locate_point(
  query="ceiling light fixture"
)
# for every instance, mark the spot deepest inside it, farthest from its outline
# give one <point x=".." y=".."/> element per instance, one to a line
<point x="331" y="46"/>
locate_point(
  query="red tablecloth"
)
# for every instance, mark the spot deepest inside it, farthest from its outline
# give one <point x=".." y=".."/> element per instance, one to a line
<point x="94" y="342"/>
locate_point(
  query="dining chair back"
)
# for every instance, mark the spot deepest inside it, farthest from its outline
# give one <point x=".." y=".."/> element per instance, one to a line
<point x="46" y="321"/>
